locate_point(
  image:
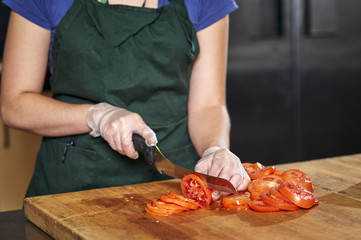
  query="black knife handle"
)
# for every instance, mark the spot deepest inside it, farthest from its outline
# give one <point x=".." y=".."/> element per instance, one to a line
<point x="141" y="147"/>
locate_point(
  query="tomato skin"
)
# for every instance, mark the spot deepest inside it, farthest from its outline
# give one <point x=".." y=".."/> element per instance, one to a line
<point x="263" y="184"/>
<point x="161" y="211"/>
<point x="252" y="167"/>
<point x="236" y="207"/>
<point x="277" y="172"/>
<point x="193" y="187"/>
<point x="298" y="177"/>
<point x="237" y="199"/>
<point x="297" y="194"/>
<point x="282" y="203"/>
<point x="178" y="201"/>
<point x="261" y="172"/>
<point x="161" y="204"/>
<point x="260" y="206"/>
<point x="181" y="197"/>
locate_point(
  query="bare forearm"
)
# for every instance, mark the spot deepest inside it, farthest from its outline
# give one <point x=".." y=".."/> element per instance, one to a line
<point x="209" y="127"/>
<point x="45" y="116"/>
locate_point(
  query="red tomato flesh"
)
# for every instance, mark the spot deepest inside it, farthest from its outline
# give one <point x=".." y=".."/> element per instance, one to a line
<point x="260" y="206"/>
<point x="238" y="199"/>
<point x="193" y="187"/>
<point x="280" y="202"/>
<point x="298" y="177"/>
<point x="263" y="184"/>
<point x="297" y="194"/>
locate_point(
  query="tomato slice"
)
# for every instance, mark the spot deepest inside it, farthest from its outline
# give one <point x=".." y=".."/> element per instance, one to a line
<point x="263" y="184"/>
<point x="297" y="194"/>
<point x="161" y="204"/>
<point x="152" y="209"/>
<point x="277" y="172"/>
<point x="193" y="187"/>
<point x="261" y="172"/>
<point x="278" y="201"/>
<point x="238" y="199"/>
<point x="236" y="207"/>
<point x="178" y="201"/>
<point x="298" y="177"/>
<point x="252" y="167"/>
<point x="261" y="206"/>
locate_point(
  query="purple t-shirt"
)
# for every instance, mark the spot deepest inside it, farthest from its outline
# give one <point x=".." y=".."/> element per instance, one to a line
<point x="48" y="13"/>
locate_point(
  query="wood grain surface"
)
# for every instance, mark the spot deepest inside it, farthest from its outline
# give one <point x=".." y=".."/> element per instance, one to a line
<point x="118" y="212"/>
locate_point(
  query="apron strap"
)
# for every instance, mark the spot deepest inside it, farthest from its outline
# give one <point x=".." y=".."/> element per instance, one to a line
<point x="107" y="2"/>
<point x="187" y="26"/>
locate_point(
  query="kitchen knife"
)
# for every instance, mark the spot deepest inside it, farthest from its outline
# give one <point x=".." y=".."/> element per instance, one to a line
<point x="154" y="156"/>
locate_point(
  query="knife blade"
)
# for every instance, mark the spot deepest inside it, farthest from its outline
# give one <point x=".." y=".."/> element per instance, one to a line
<point x="155" y="157"/>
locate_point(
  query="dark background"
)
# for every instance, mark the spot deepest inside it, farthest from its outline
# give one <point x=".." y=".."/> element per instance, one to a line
<point x="294" y="79"/>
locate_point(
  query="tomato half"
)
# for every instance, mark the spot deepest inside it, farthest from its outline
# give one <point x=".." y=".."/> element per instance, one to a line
<point x="193" y="187"/>
<point x="261" y="172"/>
<point x="260" y="206"/>
<point x="179" y="201"/>
<point x="278" y="201"/>
<point x="263" y="184"/>
<point x="297" y="194"/>
<point x="239" y="198"/>
<point x="298" y="177"/>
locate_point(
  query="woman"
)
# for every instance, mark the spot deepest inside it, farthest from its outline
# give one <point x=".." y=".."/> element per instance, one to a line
<point x="119" y="68"/>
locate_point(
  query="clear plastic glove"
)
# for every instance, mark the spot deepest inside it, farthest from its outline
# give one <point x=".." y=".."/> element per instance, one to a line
<point x="116" y="126"/>
<point x="220" y="162"/>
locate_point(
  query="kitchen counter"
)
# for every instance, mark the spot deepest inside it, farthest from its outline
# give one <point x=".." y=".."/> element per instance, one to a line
<point x="118" y="212"/>
<point x="15" y="226"/>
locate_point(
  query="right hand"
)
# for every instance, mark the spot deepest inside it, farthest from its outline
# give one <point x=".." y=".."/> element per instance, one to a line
<point x="116" y="126"/>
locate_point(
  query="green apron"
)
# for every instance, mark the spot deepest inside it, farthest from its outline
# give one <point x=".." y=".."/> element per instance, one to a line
<point x="135" y="58"/>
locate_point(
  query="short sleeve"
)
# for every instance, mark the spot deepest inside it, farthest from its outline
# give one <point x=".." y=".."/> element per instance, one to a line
<point x="204" y="13"/>
<point x="36" y="11"/>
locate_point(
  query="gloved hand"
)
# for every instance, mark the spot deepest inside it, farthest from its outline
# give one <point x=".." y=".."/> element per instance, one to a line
<point x="116" y="126"/>
<point x="220" y="162"/>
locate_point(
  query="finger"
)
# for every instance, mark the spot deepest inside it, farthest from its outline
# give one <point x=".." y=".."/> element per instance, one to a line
<point x="219" y="161"/>
<point x="127" y="145"/>
<point x="204" y="165"/>
<point x="216" y="194"/>
<point x="150" y="137"/>
<point x="237" y="180"/>
<point x="244" y="184"/>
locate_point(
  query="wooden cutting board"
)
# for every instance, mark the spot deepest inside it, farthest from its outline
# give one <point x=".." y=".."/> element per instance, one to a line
<point x="118" y="212"/>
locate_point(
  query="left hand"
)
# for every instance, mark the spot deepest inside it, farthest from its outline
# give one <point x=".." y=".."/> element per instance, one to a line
<point x="220" y="162"/>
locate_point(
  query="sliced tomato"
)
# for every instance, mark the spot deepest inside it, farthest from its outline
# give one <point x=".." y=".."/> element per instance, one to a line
<point x="161" y="204"/>
<point x="179" y="201"/>
<point x="297" y="194"/>
<point x="278" y="201"/>
<point x="277" y="172"/>
<point x="239" y="198"/>
<point x="236" y="207"/>
<point x="252" y="167"/>
<point x="152" y="209"/>
<point x="173" y="194"/>
<point x="260" y="206"/>
<point x="261" y="172"/>
<point x="298" y="177"/>
<point x="263" y="184"/>
<point x="194" y="187"/>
